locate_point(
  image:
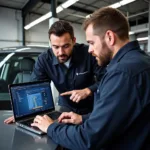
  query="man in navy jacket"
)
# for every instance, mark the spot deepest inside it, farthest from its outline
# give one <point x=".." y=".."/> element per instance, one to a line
<point x="120" y="119"/>
<point x="70" y="67"/>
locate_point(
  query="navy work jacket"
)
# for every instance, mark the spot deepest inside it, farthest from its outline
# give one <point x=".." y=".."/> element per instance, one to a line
<point x="83" y="72"/>
<point x="120" y="119"/>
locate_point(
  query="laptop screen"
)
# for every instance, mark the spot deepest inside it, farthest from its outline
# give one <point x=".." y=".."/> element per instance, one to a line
<point x="30" y="98"/>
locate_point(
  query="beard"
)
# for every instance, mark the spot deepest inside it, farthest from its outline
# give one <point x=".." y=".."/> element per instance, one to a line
<point x="104" y="58"/>
<point x="63" y="58"/>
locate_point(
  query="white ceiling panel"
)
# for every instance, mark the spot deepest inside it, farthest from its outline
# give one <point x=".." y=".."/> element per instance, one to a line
<point x="83" y="6"/>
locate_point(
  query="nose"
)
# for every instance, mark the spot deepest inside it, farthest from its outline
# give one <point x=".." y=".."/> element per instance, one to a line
<point x="90" y="50"/>
<point x="60" y="51"/>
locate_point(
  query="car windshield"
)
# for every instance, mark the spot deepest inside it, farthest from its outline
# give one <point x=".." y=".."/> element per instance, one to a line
<point x="12" y="67"/>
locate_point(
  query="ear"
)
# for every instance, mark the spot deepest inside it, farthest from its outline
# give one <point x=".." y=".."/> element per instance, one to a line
<point x="74" y="40"/>
<point x="110" y="37"/>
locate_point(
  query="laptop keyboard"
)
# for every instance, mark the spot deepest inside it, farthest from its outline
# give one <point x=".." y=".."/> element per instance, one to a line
<point x="54" y="115"/>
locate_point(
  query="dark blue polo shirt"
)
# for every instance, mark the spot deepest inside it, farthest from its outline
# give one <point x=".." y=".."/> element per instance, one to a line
<point x="80" y="74"/>
<point x="120" y="119"/>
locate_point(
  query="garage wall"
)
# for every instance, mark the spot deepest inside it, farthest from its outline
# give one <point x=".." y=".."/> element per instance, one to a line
<point x="10" y="27"/>
<point x="79" y="31"/>
<point x="39" y="33"/>
<point x="11" y="30"/>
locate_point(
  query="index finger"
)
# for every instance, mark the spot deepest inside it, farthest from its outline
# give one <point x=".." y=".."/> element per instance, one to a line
<point x="66" y="93"/>
<point x="63" y="115"/>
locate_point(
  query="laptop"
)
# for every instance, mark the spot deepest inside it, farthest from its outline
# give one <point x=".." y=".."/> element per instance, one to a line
<point x="30" y="99"/>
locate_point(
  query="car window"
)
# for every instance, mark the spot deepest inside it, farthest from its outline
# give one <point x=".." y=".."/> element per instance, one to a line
<point x="11" y="66"/>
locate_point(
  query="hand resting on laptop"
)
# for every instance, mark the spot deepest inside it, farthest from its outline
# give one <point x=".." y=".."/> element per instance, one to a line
<point x="9" y="120"/>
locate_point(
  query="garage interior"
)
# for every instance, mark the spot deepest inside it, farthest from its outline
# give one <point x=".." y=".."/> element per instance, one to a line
<point x="15" y="15"/>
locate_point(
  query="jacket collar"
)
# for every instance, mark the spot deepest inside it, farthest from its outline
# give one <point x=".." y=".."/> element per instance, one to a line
<point x="125" y="49"/>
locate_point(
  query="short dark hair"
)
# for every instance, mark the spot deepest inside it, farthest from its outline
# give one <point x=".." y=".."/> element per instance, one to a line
<point x="108" y="19"/>
<point x="60" y="27"/>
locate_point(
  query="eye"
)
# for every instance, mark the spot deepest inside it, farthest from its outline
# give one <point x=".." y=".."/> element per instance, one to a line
<point x="66" y="46"/>
<point x="55" y="47"/>
<point x="90" y="42"/>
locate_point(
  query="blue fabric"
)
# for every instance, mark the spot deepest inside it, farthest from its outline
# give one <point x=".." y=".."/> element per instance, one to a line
<point x="80" y="74"/>
<point x="120" y="119"/>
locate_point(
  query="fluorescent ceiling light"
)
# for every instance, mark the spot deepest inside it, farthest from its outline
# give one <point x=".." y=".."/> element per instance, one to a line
<point x="69" y="3"/>
<point x="48" y="15"/>
<point x="131" y="32"/>
<point x="121" y="3"/>
<point x="59" y="9"/>
<point x="125" y="2"/>
<point x="142" y="39"/>
<point x="116" y="5"/>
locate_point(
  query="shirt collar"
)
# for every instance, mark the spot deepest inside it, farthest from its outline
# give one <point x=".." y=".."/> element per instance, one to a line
<point x="125" y="49"/>
<point x="67" y="63"/>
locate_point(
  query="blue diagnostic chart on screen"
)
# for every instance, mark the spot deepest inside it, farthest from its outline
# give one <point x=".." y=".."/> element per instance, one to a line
<point x="35" y="101"/>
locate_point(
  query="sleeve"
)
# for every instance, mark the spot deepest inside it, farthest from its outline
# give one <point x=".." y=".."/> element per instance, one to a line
<point x="39" y="72"/>
<point x="85" y="117"/>
<point x="115" y="107"/>
<point x="98" y="73"/>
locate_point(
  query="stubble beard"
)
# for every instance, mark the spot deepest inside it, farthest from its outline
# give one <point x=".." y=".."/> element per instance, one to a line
<point x="103" y="60"/>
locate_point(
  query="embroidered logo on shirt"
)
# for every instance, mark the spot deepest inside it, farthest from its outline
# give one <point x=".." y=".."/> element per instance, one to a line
<point x="81" y="73"/>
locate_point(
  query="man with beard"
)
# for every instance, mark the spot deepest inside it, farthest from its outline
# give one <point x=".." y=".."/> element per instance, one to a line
<point x="120" y="119"/>
<point x="71" y="68"/>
